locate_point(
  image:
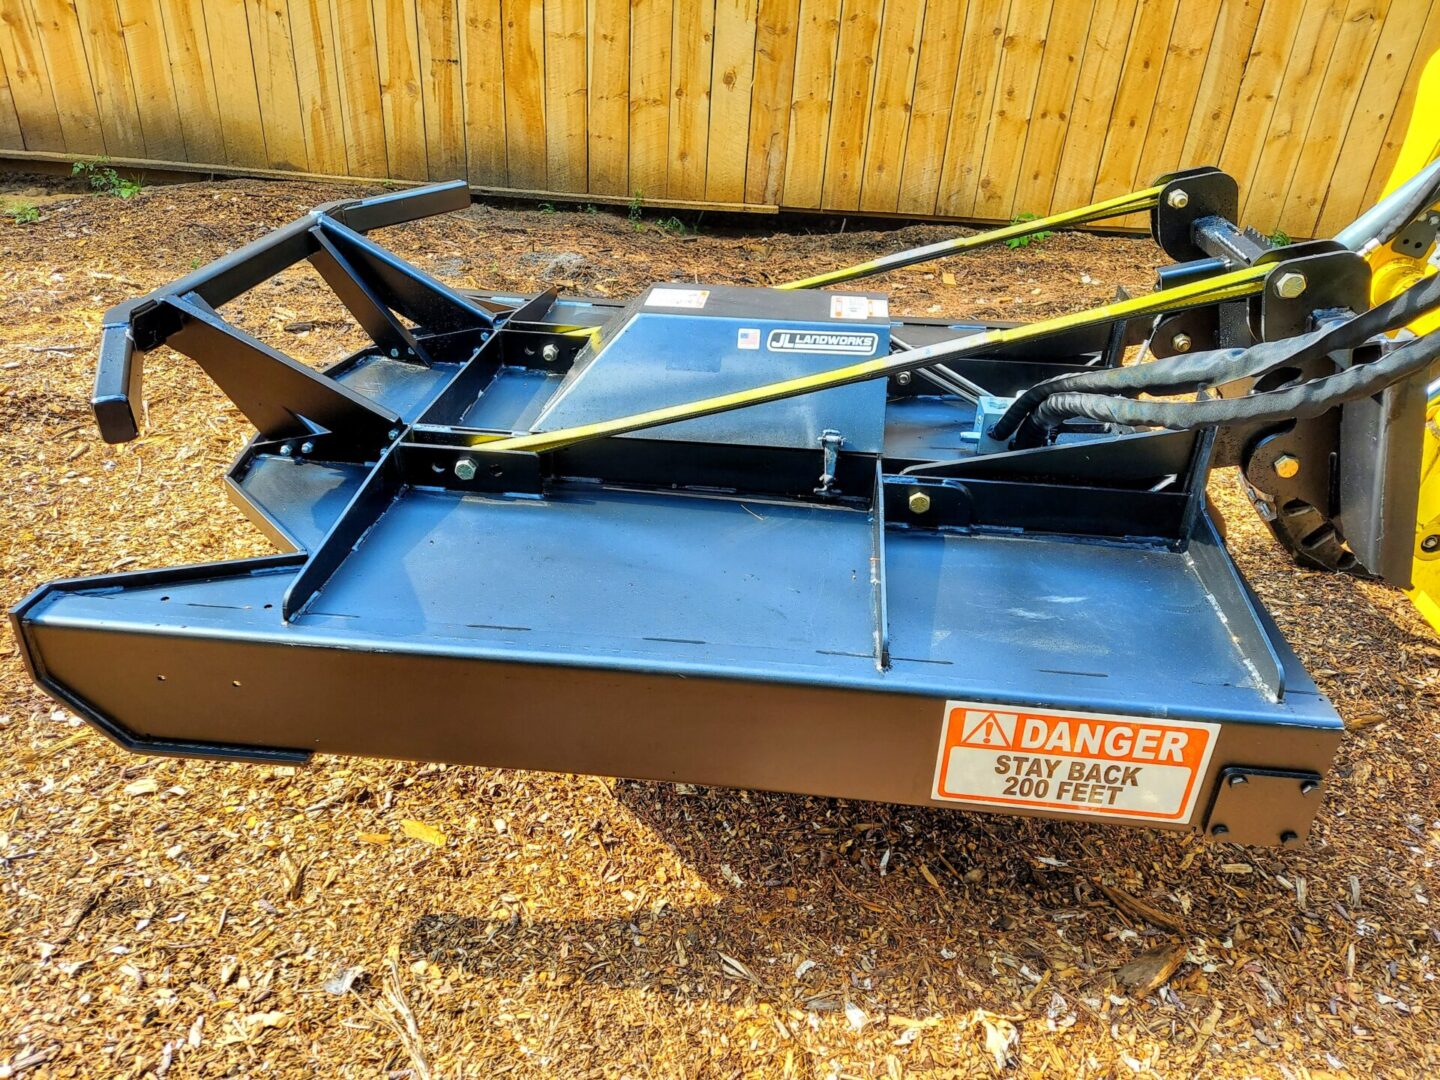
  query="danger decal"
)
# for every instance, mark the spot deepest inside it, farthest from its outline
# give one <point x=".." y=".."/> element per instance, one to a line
<point x="1072" y="763"/>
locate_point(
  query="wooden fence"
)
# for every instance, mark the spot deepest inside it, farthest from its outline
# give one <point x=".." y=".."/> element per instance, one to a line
<point x="976" y="109"/>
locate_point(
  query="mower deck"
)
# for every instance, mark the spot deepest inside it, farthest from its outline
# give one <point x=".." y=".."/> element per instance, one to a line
<point x="845" y="593"/>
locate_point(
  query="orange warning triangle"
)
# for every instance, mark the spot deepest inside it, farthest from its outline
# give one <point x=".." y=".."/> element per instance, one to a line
<point x="989" y="729"/>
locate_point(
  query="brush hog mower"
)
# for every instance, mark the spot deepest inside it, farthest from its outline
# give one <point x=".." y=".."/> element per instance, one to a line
<point x="778" y="538"/>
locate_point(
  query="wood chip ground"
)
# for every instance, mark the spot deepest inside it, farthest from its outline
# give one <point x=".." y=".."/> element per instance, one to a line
<point x="361" y="918"/>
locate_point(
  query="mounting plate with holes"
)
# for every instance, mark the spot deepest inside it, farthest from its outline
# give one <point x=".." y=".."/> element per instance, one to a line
<point x="1263" y="806"/>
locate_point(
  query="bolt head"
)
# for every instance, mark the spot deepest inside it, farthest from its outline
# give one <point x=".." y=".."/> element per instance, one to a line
<point x="307" y="447"/>
<point x="1177" y="199"/>
<point x="1290" y="285"/>
<point x="286" y="450"/>
<point x="1430" y="543"/>
<point x="919" y="502"/>
<point x="903" y="378"/>
<point x="465" y="469"/>
<point x="1181" y="343"/>
<point x="550" y="353"/>
<point x="1287" y="466"/>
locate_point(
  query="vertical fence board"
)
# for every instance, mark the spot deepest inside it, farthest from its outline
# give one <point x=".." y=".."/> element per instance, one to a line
<point x="1259" y="87"/>
<point x="1050" y="112"/>
<point x="402" y="102"/>
<point x="441" y="88"/>
<point x="188" y="47"/>
<point x="59" y="30"/>
<point x="358" y="62"/>
<point x="608" y="149"/>
<point x="10" y="137"/>
<point x="274" y="55"/>
<point x="1193" y="31"/>
<point x="1135" y="99"/>
<point x="819" y="33"/>
<point x="482" y="73"/>
<point x="1020" y="61"/>
<point x="1261" y="202"/>
<point x="930" y="111"/>
<point x="29" y="79"/>
<point x="892" y="104"/>
<point x="1349" y="62"/>
<point x="142" y="25"/>
<point x="1108" y="37"/>
<point x="318" y="84"/>
<point x="1382" y="99"/>
<point x="691" y="50"/>
<point x="730" y="94"/>
<point x="566" y="90"/>
<point x="104" y="54"/>
<point x="777" y="23"/>
<point x="1408" y="104"/>
<point x="650" y="23"/>
<point x="850" y="109"/>
<point x="974" y="100"/>
<point x="228" y="40"/>
<point x="1220" y="82"/>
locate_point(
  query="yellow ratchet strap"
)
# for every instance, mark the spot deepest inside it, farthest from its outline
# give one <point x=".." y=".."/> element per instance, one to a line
<point x="1212" y="290"/>
<point x="1117" y="207"/>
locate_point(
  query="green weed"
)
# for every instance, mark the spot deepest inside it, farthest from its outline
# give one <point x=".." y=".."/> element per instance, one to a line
<point x="1025" y="241"/>
<point x="102" y="178"/>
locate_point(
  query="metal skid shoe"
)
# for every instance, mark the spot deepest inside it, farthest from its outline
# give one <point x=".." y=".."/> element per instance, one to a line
<point x="510" y="537"/>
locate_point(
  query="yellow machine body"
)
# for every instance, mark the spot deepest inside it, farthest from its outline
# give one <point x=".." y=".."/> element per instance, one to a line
<point x="1392" y="273"/>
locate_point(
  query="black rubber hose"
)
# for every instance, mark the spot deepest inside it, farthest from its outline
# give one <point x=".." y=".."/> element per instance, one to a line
<point x="1187" y="373"/>
<point x="1297" y="402"/>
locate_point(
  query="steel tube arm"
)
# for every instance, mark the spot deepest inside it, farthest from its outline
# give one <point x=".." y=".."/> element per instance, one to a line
<point x="137" y="326"/>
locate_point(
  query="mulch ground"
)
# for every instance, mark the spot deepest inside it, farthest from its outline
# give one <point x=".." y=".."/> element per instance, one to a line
<point x="174" y="918"/>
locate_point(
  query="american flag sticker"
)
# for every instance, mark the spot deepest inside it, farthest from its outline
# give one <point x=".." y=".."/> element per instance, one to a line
<point x="749" y="338"/>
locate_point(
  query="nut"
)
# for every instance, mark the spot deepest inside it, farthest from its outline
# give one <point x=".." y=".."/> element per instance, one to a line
<point x="465" y="468"/>
<point x="902" y="378"/>
<point x="1177" y="199"/>
<point x="1181" y="342"/>
<point x="1430" y="543"/>
<point x="550" y="353"/>
<point x="1289" y="285"/>
<point x="1286" y="466"/>
<point x="919" y="502"/>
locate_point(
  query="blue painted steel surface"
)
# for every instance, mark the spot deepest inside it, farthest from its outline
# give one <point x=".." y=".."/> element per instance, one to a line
<point x="654" y="356"/>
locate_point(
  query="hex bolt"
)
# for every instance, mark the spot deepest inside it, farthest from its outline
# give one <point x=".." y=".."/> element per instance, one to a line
<point x="286" y="450"/>
<point x="1290" y="285"/>
<point x="1177" y="199"/>
<point x="1287" y="466"/>
<point x="903" y="379"/>
<point x="550" y="353"/>
<point x="919" y="502"/>
<point x="393" y="433"/>
<point x="307" y="447"/>
<point x="465" y="468"/>
<point x="395" y="353"/>
<point x="1181" y="343"/>
<point x="1219" y="830"/>
<point x="1430" y="543"/>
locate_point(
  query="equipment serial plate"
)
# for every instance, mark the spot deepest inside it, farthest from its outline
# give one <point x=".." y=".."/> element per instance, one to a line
<point x="1072" y="763"/>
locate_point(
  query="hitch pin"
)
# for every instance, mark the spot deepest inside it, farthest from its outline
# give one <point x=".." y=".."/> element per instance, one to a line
<point x="830" y="443"/>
